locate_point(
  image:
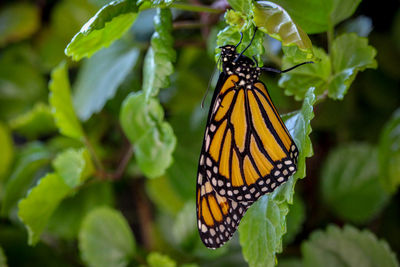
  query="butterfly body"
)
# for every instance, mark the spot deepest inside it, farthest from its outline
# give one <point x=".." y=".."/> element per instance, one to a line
<point x="247" y="150"/>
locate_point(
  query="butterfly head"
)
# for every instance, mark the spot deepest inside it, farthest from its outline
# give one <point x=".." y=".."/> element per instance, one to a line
<point x="241" y="65"/>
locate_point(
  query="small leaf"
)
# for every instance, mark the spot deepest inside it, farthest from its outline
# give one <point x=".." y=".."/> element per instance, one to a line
<point x="61" y="103"/>
<point x="32" y="158"/>
<point x="105" y="238"/>
<point x="74" y="166"/>
<point x="108" y="25"/>
<point x="297" y="81"/>
<point x="389" y="154"/>
<point x="7" y="150"/>
<point x="346" y="247"/>
<point x="264" y="224"/>
<point x="184" y="229"/>
<point x="3" y="258"/>
<point x="163" y="195"/>
<point x="19" y="21"/>
<point x="100" y="77"/>
<point x="350" y="54"/>
<point x="153" y="138"/>
<point x="361" y="25"/>
<point x="35" y="210"/>
<point x="160" y="56"/>
<point x="155" y="259"/>
<point x="316" y="16"/>
<point x="240" y="5"/>
<point x="36" y="122"/>
<point x="350" y="183"/>
<point x="276" y="22"/>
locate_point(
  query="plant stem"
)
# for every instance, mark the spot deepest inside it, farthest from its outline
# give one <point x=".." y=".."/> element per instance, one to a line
<point x="92" y="152"/>
<point x="195" y="8"/>
<point x="124" y="162"/>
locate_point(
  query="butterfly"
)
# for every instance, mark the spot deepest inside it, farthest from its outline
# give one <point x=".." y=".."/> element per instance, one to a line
<point x="247" y="150"/>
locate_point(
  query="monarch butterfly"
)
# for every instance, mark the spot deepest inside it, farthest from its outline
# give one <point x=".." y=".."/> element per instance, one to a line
<point x="247" y="150"/>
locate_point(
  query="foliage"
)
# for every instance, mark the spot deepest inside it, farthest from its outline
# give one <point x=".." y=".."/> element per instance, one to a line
<point x="99" y="166"/>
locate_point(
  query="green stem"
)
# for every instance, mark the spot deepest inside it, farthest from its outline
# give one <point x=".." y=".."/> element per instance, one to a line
<point x="330" y="34"/>
<point x="195" y="8"/>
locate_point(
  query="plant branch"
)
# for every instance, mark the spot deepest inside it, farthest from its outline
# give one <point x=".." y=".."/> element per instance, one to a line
<point x="93" y="153"/>
<point x="122" y="166"/>
<point x="195" y="8"/>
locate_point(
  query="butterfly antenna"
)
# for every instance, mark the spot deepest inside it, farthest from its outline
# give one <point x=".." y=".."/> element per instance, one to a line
<point x="244" y="50"/>
<point x="289" y="69"/>
<point x="209" y="82"/>
<point x="240" y="41"/>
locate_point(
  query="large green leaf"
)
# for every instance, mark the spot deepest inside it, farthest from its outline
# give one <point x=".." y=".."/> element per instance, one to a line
<point x="316" y="16"/>
<point x="74" y="166"/>
<point x="105" y="239"/>
<point x="31" y="159"/>
<point x="7" y="150"/>
<point x="346" y="247"/>
<point x="108" y="25"/>
<point x="350" y="183"/>
<point x="264" y="224"/>
<point x="153" y="139"/>
<point x="276" y="22"/>
<point x="350" y="54"/>
<point x="389" y="154"/>
<point x="61" y="103"/>
<point x="35" y="210"/>
<point x="160" y="56"/>
<point x="35" y="123"/>
<point x="101" y="75"/>
<point x="67" y="218"/>
<point x="297" y="81"/>
<point x="19" y="21"/>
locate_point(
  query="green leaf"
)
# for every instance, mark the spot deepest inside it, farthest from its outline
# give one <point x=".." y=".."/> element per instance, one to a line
<point x="350" y="54"/>
<point x="67" y="218"/>
<point x="316" y="16"/>
<point x="3" y="259"/>
<point x="389" y="154"/>
<point x="32" y="158"/>
<point x="297" y="81"/>
<point x="261" y="232"/>
<point x="264" y="224"/>
<point x="19" y="21"/>
<point x="295" y="219"/>
<point x="160" y="56"/>
<point x="36" y="209"/>
<point x="350" y="183"/>
<point x="61" y="103"/>
<point x="155" y="259"/>
<point x="100" y="77"/>
<point x="7" y="150"/>
<point x="152" y="138"/>
<point x="346" y="247"/>
<point x="35" y="123"/>
<point x="108" y="25"/>
<point x="105" y="238"/>
<point x="240" y="5"/>
<point x="276" y="22"/>
<point x="74" y="166"/>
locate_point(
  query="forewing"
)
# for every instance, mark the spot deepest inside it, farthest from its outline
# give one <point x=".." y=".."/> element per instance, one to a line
<point x="247" y="150"/>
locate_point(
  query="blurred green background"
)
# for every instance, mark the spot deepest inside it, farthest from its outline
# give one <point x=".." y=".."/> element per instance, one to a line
<point x="352" y="178"/>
